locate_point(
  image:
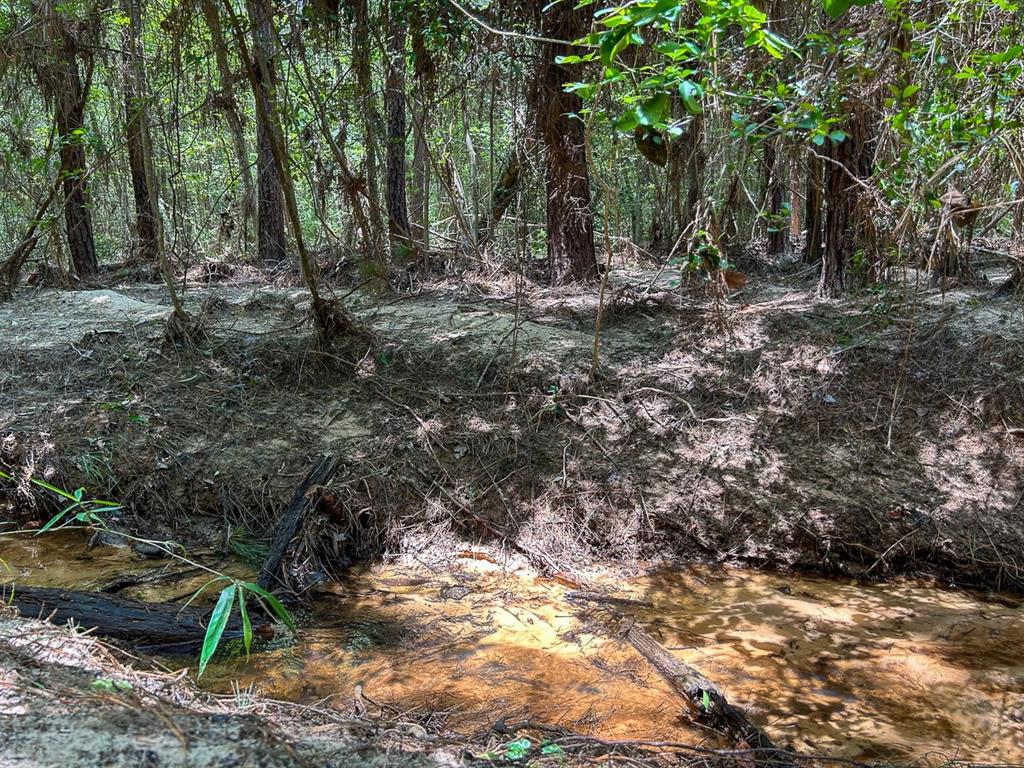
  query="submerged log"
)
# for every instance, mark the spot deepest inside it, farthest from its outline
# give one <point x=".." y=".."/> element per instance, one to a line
<point x="123" y="618"/>
<point x="704" y="699"/>
<point x="303" y="500"/>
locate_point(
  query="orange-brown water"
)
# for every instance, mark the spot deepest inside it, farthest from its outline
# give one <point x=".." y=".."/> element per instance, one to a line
<point x="894" y="671"/>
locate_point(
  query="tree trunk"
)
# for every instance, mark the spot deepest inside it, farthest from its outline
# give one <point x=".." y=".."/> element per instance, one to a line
<point x="812" y="216"/>
<point x="424" y="70"/>
<point x="838" y="246"/>
<point x="375" y="262"/>
<point x="69" y="93"/>
<point x="847" y="225"/>
<point x="270" y="215"/>
<point x="226" y="101"/>
<point x="394" y="97"/>
<point x="420" y="204"/>
<point x="502" y="196"/>
<point x="136" y="97"/>
<point x="773" y="188"/>
<point x="570" y="220"/>
<point x="695" y="169"/>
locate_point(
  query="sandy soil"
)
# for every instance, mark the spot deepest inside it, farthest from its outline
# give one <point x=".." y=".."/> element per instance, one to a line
<point x="67" y="700"/>
<point x="877" y="435"/>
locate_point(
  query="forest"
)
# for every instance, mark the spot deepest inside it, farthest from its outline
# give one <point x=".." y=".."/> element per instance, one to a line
<point x="549" y="383"/>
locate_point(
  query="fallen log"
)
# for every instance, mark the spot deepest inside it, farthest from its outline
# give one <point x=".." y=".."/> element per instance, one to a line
<point x="303" y="500"/>
<point x="704" y="699"/>
<point x="123" y="618"/>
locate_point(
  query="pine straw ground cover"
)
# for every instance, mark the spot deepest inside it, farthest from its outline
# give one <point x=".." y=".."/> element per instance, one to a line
<point x="872" y="436"/>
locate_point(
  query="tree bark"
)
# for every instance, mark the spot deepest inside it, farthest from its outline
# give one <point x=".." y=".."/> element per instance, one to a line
<point x="420" y="202"/>
<point x="64" y="82"/>
<point x="270" y="214"/>
<point x="136" y="97"/>
<point x="570" y="220"/>
<point x="773" y="199"/>
<point x="812" y="213"/>
<point x="375" y="261"/>
<point x="695" y="169"/>
<point x="847" y="227"/>
<point x="402" y="246"/>
<point x="501" y="198"/>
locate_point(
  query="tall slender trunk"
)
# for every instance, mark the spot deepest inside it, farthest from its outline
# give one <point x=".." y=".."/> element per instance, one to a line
<point x="695" y="170"/>
<point x="847" y="227"/>
<point x="570" y="220"/>
<point x="394" y="97"/>
<point x="795" y="178"/>
<point x="270" y="216"/>
<point x="64" y="83"/>
<point x="371" y="128"/>
<point x="813" y="211"/>
<point x="419" y="206"/>
<point x="226" y="102"/>
<point x="139" y="145"/>
<point x="423" y="71"/>
<point x="331" y="319"/>
<point x="773" y="192"/>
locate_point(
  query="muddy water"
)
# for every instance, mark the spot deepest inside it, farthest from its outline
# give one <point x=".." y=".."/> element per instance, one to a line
<point x="887" y="672"/>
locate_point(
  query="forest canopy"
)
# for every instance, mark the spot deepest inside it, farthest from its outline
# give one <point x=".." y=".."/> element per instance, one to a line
<point x="406" y="137"/>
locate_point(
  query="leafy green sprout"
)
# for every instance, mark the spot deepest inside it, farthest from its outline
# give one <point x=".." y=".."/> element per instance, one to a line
<point x="87" y="511"/>
<point x="236" y="591"/>
<point x="80" y="509"/>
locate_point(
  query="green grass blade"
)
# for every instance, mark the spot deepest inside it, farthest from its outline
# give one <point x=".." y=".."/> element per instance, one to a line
<point x="51" y="522"/>
<point x="202" y="589"/>
<point x="246" y="624"/>
<point x="275" y="604"/>
<point x="218" y="620"/>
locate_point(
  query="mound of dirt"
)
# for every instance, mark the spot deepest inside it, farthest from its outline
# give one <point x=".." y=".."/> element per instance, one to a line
<point x="877" y="435"/>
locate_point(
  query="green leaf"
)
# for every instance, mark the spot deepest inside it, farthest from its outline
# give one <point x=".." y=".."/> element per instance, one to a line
<point x="518" y="749"/>
<point x="275" y="604"/>
<point x="627" y="121"/>
<point x="246" y="624"/>
<point x="837" y="136"/>
<point x="691" y="93"/>
<point x="218" y="621"/>
<point x="51" y="522"/>
<point x="836" y="8"/>
<point x="653" y="111"/>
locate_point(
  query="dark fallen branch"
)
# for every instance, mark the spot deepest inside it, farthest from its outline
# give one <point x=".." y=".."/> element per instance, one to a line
<point x="303" y="500"/>
<point x="153" y="624"/>
<point x="706" y="702"/>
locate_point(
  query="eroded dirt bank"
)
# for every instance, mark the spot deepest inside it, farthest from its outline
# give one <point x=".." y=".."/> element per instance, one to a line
<point x="880" y="435"/>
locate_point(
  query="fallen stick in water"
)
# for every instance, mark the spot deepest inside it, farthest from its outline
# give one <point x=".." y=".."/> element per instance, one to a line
<point x="704" y="699"/>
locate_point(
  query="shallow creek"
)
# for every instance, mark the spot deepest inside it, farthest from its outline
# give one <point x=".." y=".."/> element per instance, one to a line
<point x="872" y="671"/>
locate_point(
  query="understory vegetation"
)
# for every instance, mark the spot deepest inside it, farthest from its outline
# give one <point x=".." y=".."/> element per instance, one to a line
<point x="574" y="291"/>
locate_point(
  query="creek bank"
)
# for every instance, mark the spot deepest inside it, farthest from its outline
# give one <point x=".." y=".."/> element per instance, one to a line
<point x="869" y="437"/>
